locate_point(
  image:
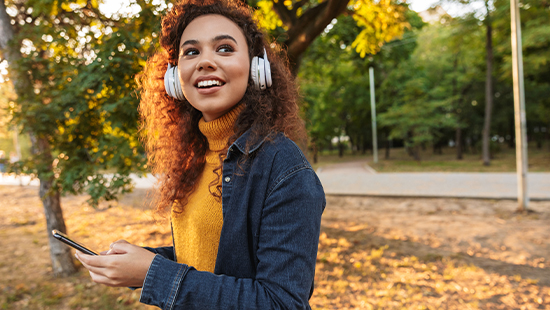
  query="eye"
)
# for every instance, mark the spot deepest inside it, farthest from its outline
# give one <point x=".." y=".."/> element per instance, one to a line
<point x="190" y="52"/>
<point x="225" y="48"/>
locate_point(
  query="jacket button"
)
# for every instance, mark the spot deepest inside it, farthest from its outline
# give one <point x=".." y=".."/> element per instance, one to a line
<point x="227" y="179"/>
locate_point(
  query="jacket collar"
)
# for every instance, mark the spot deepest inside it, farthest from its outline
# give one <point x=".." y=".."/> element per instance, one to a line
<point x="240" y="143"/>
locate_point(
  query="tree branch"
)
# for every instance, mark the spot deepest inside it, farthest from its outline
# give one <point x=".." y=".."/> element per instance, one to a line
<point x="309" y="26"/>
<point x="299" y="4"/>
<point x="284" y="14"/>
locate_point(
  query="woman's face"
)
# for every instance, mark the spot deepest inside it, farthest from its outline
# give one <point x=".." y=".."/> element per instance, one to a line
<point x="213" y="65"/>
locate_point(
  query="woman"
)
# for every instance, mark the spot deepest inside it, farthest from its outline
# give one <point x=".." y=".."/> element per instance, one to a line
<point x="245" y="204"/>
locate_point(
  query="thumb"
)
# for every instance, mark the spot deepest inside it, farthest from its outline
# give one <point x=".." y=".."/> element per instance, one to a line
<point x="119" y="247"/>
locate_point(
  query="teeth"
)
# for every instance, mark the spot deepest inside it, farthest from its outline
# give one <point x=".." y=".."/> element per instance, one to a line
<point x="209" y="83"/>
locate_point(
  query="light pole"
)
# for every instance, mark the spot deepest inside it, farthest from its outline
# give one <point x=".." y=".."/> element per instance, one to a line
<point x="373" y="110"/>
<point x="519" y="107"/>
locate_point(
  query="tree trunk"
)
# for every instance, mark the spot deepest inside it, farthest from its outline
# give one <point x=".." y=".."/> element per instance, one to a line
<point x="388" y="147"/>
<point x="488" y="90"/>
<point x="416" y="152"/>
<point x="60" y="254"/>
<point x="340" y="148"/>
<point x="353" y="143"/>
<point x="458" y="143"/>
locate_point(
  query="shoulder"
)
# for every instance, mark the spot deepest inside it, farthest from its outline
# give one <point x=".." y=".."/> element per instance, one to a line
<point x="286" y="165"/>
<point x="273" y="157"/>
<point x="283" y="152"/>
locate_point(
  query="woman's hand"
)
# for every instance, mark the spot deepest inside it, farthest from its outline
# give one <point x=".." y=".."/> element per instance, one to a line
<point x="124" y="264"/>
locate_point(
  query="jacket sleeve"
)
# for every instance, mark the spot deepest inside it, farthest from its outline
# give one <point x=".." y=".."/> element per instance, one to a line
<point x="166" y="252"/>
<point x="287" y="252"/>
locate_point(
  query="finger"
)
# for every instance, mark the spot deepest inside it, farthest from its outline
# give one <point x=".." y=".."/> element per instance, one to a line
<point x="114" y="245"/>
<point x="120" y="241"/>
<point x="102" y="279"/>
<point x="96" y="270"/>
<point x="120" y="247"/>
<point x="91" y="260"/>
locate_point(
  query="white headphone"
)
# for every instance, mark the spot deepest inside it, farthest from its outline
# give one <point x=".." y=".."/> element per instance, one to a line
<point x="172" y="82"/>
<point x="260" y="72"/>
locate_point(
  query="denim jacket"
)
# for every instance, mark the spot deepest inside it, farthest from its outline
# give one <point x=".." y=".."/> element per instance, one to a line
<point x="272" y="205"/>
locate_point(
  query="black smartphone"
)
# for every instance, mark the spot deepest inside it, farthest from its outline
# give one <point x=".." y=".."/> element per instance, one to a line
<point x="70" y="242"/>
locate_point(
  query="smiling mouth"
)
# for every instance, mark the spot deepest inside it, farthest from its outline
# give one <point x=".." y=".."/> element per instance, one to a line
<point x="209" y="84"/>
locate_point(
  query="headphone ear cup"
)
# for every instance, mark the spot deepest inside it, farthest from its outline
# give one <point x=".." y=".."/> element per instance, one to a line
<point x="172" y="83"/>
<point x="167" y="82"/>
<point x="254" y="72"/>
<point x="261" y="73"/>
<point x="268" y="79"/>
<point x="177" y="84"/>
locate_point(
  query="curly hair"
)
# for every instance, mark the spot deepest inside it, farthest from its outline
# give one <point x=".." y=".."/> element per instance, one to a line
<point x="176" y="148"/>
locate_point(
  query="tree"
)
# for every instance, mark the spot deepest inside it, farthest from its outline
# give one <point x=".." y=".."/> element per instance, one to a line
<point x="488" y="86"/>
<point x="536" y="42"/>
<point x="336" y="92"/>
<point x="61" y="257"/>
<point x="431" y="93"/>
<point x="73" y="71"/>
<point x="298" y="22"/>
<point x="489" y="93"/>
<point x="457" y="52"/>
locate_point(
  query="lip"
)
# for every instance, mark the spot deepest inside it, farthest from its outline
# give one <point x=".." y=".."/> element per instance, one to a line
<point x="208" y="91"/>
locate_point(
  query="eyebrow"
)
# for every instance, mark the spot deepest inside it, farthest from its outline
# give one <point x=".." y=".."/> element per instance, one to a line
<point x="215" y="39"/>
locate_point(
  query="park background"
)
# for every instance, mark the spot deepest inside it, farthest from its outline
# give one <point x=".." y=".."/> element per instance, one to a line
<point x="70" y="101"/>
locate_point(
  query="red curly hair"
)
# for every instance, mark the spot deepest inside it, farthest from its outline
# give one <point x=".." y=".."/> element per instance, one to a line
<point x="175" y="146"/>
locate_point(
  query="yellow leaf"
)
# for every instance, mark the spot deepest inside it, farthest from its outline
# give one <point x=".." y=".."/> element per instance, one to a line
<point x="381" y="23"/>
<point x="266" y="16"/>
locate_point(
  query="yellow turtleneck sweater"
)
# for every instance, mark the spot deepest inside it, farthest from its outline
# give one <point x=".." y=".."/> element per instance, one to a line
<point x="197" y="230"/>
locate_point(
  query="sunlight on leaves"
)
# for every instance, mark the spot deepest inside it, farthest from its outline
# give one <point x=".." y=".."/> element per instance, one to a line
<point x="381" y="22"/>
<point x="266" y="16"/>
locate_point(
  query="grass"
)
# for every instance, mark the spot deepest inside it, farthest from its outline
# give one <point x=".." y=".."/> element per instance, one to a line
<point x="504" y="160"/>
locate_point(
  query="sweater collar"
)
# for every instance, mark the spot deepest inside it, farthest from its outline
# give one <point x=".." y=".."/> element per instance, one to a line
<point x="218" y="131"/>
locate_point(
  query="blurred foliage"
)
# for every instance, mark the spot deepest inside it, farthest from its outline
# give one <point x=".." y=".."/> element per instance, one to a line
<point x="380" y="22"/>
<point x="336" y="92"/>
<point x="429" y="84"/>
<point x="536" y="62"/>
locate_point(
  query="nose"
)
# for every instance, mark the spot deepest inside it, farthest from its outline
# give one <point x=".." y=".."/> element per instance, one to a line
<point x="206" y="62"/>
